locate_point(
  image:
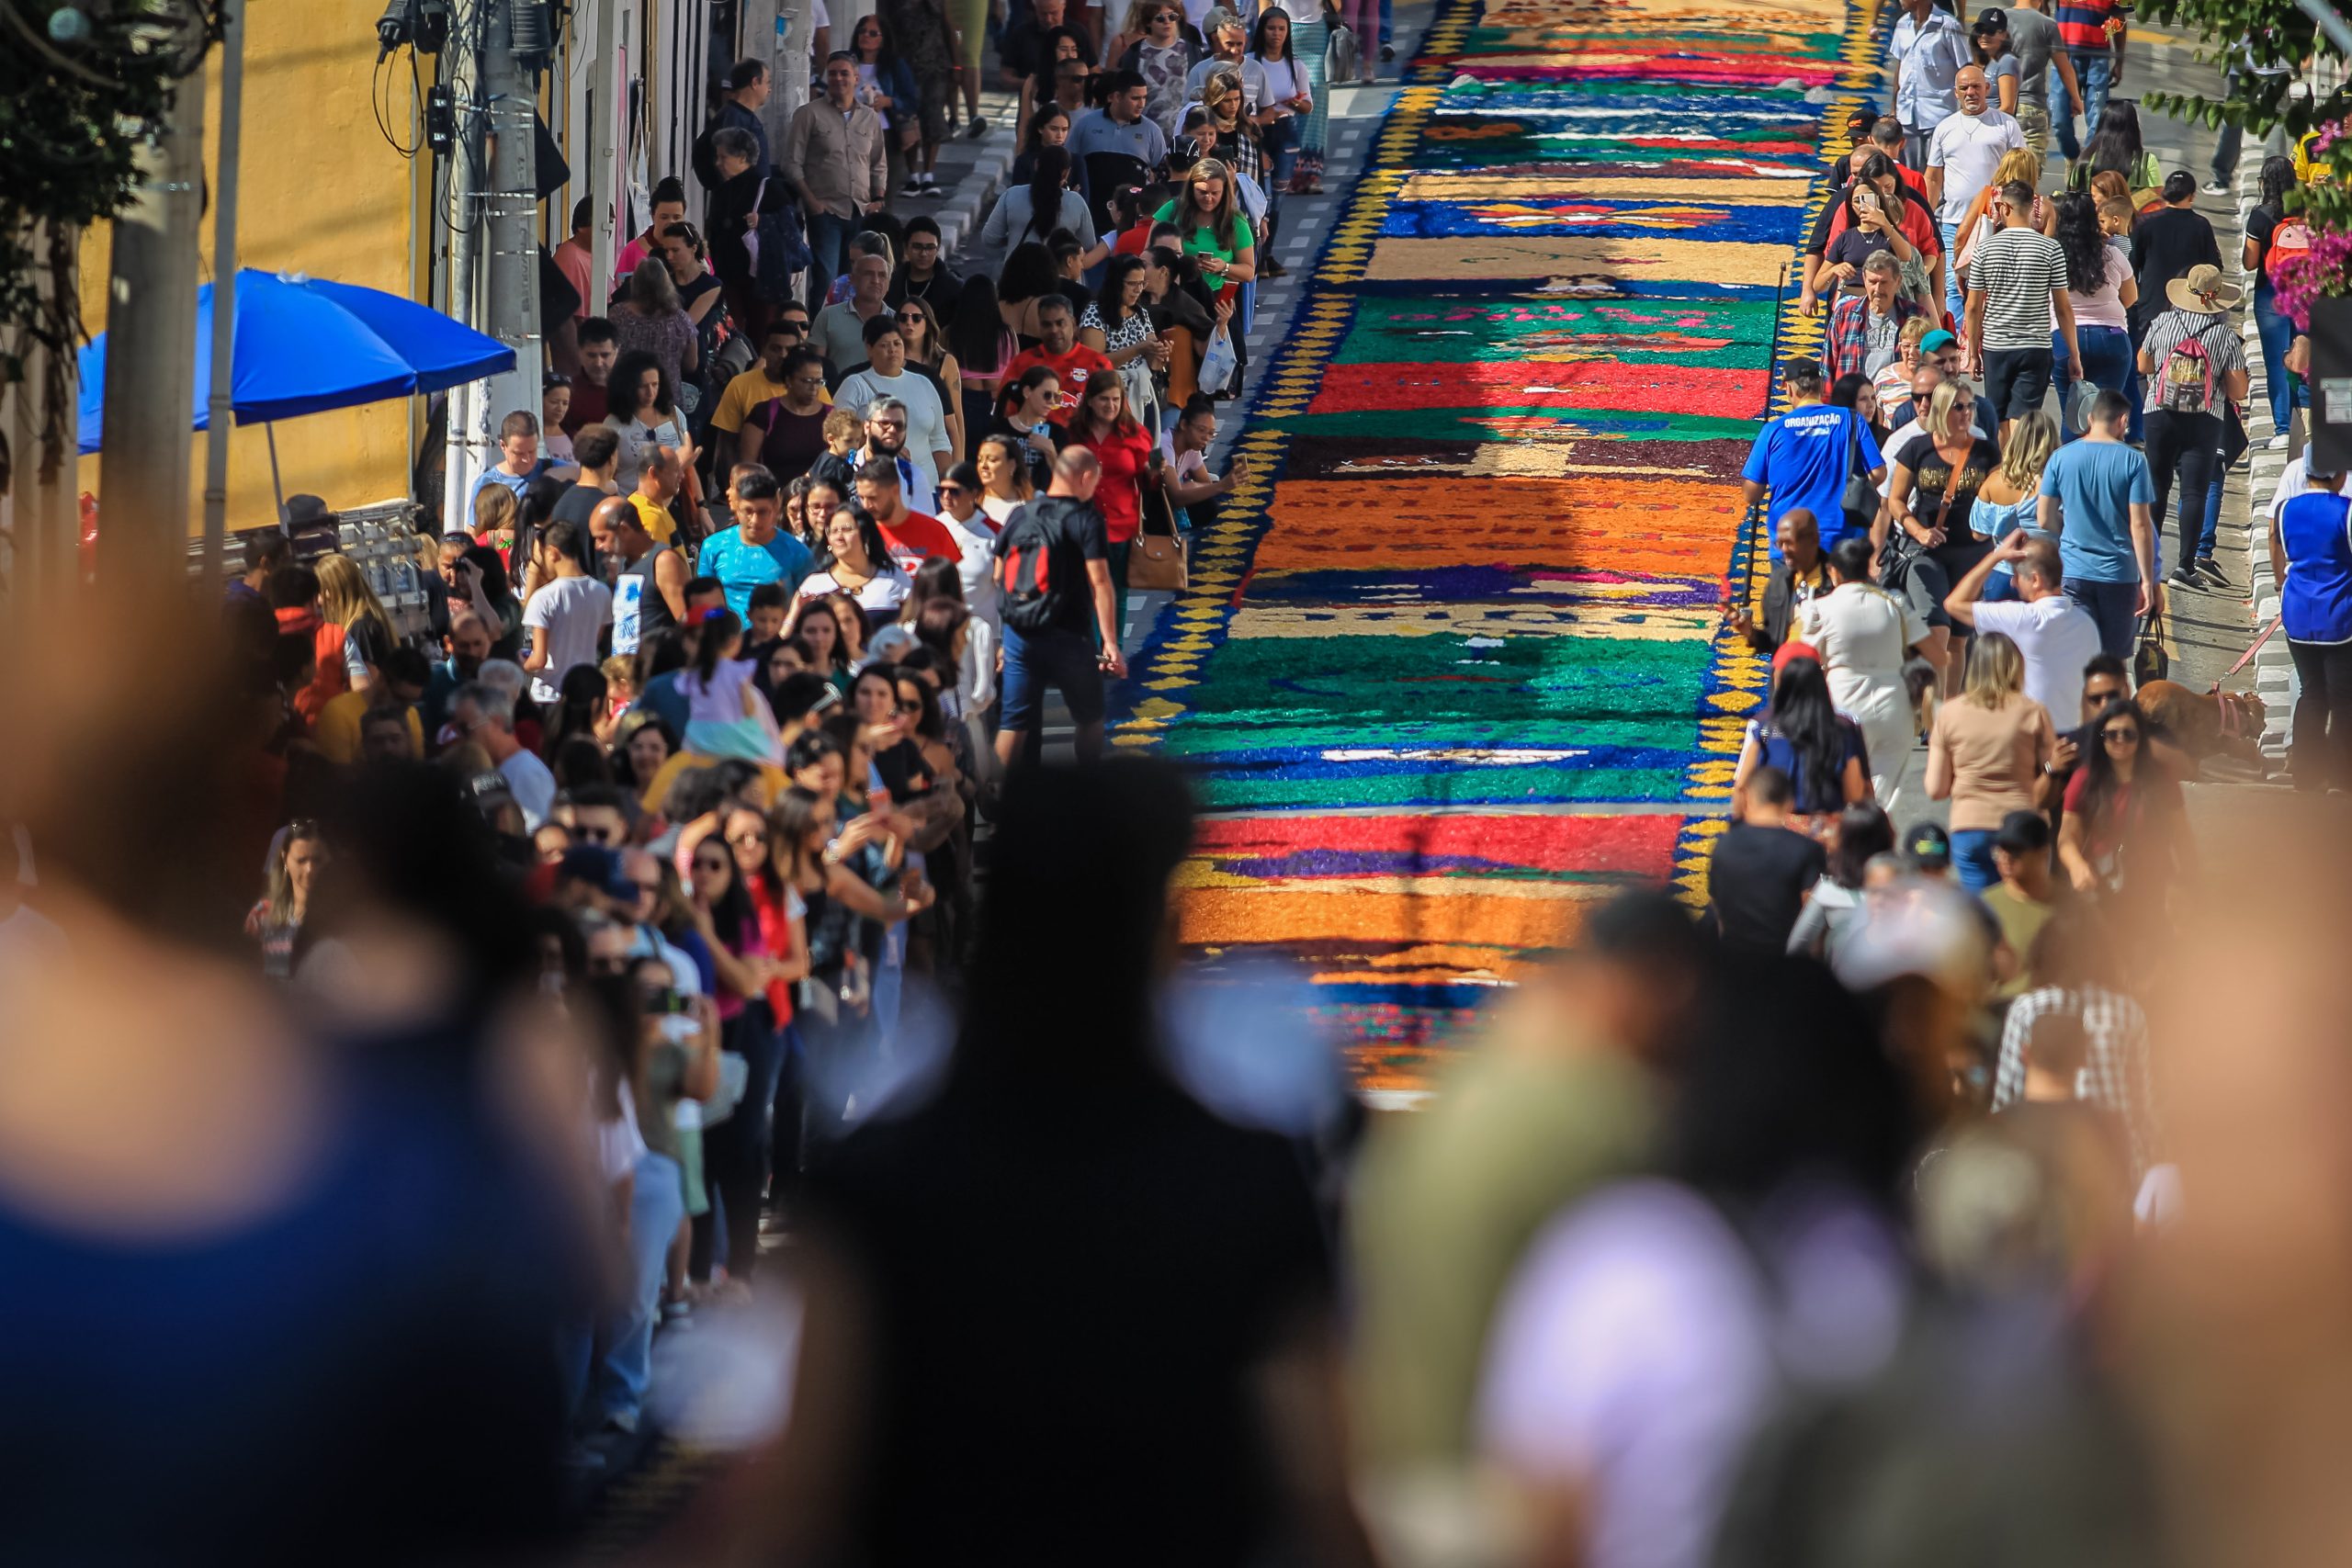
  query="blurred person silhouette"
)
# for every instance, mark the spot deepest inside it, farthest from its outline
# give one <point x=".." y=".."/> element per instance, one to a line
<point x="1559" y="1098"/>
<point x="1653" y="1328"/>
<point x="1061" y="1312"/>
<point x="1999" y="1432"/>
<point x="263" y="1301"/>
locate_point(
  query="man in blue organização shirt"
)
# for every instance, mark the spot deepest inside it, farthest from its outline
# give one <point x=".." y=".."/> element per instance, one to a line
<point x="2098" y="501"/>
<point x="1803" y="458"/>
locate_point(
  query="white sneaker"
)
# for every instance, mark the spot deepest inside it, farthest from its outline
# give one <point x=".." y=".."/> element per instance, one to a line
<point x="2278" y="442"/>
<point x="2215" y="188"/>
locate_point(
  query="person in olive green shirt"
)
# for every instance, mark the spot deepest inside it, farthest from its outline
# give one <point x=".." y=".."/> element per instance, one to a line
<point x="1556" y="1099"/>
<point x="2025" y="897"/>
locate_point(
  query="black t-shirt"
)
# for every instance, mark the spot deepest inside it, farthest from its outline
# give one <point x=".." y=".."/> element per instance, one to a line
<point x="1063" y="1291"/>
<point x="940" y="293"/>
<point x="1856" y="245"/>
<point x="575" y="504"/>
<point x="1757" y="882"/>
<point x="1817" y="242"/>
<point x="1074" y="533"/>
<point x="2164" y="245"/>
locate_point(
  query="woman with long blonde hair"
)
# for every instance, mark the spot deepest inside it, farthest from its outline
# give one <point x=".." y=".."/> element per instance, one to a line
<point x="369" y="635"/>
<point x="1986" y="753"/>
<point x="2010" y="498"/>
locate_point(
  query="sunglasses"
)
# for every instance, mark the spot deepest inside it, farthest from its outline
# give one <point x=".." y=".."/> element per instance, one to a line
<point x="710" y="867"/>
<point x="948" y="489"/>
<point x="887" y="423"/>
<point x="740" y="840"/>
<point x="2119" y="737"/>
<point x="910" y="709"/>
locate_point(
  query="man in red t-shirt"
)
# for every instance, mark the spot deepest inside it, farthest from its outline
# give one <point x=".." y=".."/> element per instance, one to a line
<point x="1059" y="351"/>
<point x="913" y="537"/>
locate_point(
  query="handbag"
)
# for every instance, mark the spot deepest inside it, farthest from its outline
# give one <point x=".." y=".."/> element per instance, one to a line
<point x="1343" y="55"/>
<point x="734" y="1076"/>
<point x="1156" y="555"/>
<point x="2149" y="659"/>
<point x="1859" y="499"/>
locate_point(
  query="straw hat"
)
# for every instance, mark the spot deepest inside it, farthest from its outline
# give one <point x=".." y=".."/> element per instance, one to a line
<point x="2203" y="292"/>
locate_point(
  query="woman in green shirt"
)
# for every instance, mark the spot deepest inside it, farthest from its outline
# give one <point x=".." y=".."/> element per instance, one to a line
<point x="1216" y="232"/>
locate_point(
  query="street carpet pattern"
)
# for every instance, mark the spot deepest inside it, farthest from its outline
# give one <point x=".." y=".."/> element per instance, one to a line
<point x="1449" y="668"/>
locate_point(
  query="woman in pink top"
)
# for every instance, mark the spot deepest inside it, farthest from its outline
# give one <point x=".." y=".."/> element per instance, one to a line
<point x="1988" y="754"/>
<point x="2100" y="287"/>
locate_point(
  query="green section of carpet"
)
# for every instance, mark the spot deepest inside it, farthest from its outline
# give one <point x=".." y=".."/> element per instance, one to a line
<point x="1208" y="738"/>
<point x="1370" y="682"/>
<point x="1435" y="329"/>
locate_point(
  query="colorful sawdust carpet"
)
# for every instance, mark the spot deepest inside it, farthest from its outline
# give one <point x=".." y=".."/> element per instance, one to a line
<point x="1451" y="667"/>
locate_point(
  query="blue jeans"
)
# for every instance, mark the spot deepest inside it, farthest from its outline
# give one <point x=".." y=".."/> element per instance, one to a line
<point x="1972" y="858"/>
<point x="2288" y="392"/>
<point x="1952" y="298"/>
<point x="2094" y="69"/>
<point x="2106" y="363"/>
<point x="1387" y="23"/>
<point x="1061" y="658"/>
<point x="2112" y="607"/>
<point x="829" y="243"/>
<point x="658" y="1203"/>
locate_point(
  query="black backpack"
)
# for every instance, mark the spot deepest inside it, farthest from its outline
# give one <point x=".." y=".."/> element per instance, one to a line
<point x="1040" y="574"/>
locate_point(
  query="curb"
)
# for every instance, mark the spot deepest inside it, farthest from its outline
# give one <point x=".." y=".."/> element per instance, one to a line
<point x="2272" y="672"/>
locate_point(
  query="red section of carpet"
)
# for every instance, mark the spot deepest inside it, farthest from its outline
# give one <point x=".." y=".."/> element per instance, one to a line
<point x="1641" y="845"/>
<point x="1559" y="384"/>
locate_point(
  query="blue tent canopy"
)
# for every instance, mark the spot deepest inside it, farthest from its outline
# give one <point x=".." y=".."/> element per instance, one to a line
<point x="304" y="345"/>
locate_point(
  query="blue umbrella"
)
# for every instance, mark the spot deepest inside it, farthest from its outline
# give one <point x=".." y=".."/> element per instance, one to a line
<point x="305" y="345"/>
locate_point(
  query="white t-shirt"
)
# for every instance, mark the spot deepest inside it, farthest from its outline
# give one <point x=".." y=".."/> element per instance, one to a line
<point x="2057" y="637"/>
<point x="619" y="1145"/>
<point x="880" y="596"/>
<point x="1631" y="1357"/>
<point x="573" y="610"/>
<point x="977" y="569"/>
<point x="531" y="784"/>
<point x="1862" y="631"/>
<point x="1968" y="148"/>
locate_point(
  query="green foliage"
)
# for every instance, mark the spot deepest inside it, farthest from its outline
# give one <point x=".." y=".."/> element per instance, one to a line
<point x="84" y="87"/>
<point x="2279" y="34"/>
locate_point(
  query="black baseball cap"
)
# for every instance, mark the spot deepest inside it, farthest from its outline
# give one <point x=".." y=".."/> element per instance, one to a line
<point x="2022" y="833"/>
<point x="1927" y="847"/>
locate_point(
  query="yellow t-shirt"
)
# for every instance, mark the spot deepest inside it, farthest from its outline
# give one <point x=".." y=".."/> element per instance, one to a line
<point x="336" y="734"/>
<point x="745" y="393"/>
<point x="657" y="793"/>
<point x="656" y="519"/>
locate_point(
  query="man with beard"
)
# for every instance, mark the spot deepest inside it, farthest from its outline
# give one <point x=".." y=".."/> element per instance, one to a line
<point x="468" y="644"/>
<point x="886" y="440"/>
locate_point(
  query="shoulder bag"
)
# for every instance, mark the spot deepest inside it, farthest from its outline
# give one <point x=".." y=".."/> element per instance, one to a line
<point x="1860" y="501"/>
<point x="1155" y="555"/>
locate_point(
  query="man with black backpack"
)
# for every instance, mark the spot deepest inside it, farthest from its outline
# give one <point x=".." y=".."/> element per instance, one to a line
<point x="2194" y="366"/>
<point x="1053" y="577"/>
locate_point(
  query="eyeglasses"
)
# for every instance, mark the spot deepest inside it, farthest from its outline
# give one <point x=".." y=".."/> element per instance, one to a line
<point x="887" y="423"/>
<point x="910" y="709"/>
<point x="2119" y="737"/>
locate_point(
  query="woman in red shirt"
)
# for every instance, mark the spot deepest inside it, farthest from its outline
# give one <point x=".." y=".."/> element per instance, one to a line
<point x="1104" y="425"/>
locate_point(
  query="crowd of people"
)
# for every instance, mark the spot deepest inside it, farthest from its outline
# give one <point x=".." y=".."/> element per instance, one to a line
<point x="750" y="621"/>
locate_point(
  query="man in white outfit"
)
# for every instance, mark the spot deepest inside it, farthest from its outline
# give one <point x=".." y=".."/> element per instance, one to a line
<point x="1863" y="634"/>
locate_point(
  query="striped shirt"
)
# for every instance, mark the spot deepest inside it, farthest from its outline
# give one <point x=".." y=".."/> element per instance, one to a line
<point x="2016" y="270"/>
<point x="2114" y="1066"/>
<point x="2082" y="23"/>
<point x="2223" y="352"/>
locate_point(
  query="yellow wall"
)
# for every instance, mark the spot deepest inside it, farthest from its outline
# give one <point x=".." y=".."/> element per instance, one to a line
<point x="320" y="192"/>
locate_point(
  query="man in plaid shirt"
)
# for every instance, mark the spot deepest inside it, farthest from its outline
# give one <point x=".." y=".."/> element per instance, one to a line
<point x="1864" y="327"/>
<point x="2115" y="1068"/>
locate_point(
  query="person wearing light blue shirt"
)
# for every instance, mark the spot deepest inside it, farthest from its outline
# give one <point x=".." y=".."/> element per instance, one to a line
<point x="2098" y="501"/>
<point x="756" y="550"/>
